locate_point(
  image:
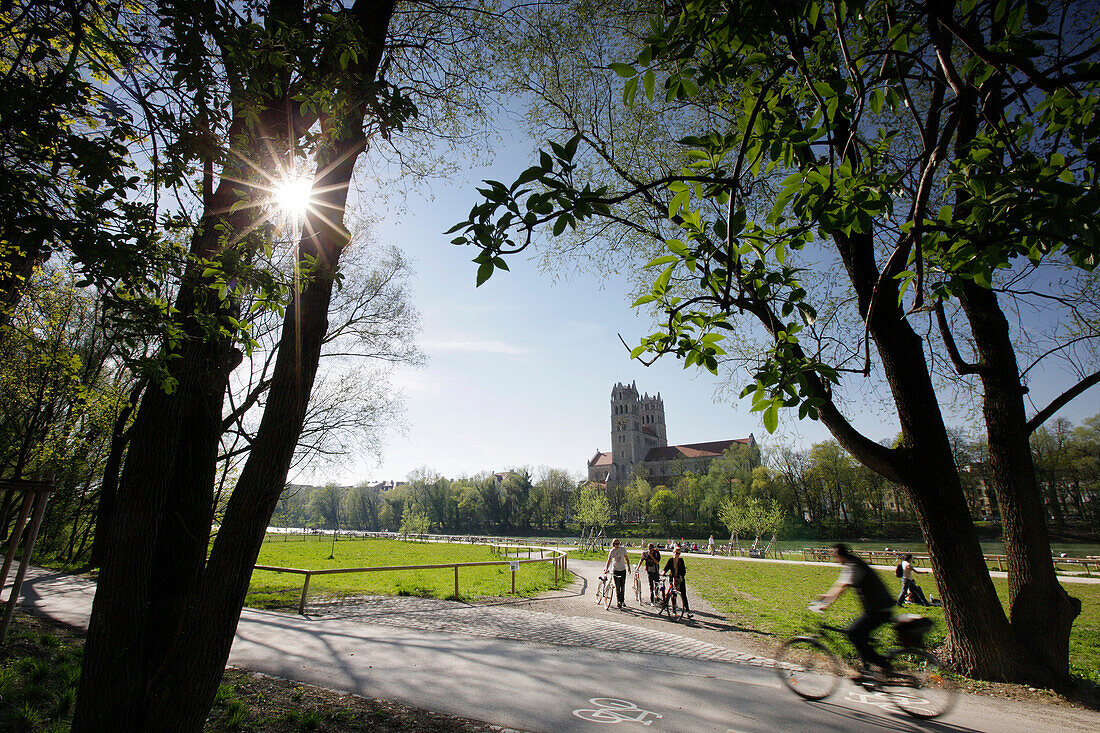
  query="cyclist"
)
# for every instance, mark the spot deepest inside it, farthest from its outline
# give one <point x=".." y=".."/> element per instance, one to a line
<point x="622" y="566"/>
<point x="877" y="604"/>
<point x="676" y="571"/>
<point x="652" y="559"/>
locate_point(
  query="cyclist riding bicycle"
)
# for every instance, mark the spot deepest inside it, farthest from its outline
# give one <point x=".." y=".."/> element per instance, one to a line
<point x="877" y="604"/>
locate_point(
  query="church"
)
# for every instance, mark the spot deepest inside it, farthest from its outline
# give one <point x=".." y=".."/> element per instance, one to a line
<point x="638" y="439"/>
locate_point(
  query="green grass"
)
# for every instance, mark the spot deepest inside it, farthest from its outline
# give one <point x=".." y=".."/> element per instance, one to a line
<point x="39" y="674"/>
<point x="771" y="599"/>
<point x="280" y="590"/>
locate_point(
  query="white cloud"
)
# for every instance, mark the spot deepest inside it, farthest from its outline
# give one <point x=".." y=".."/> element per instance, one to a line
<point x="475" y="346"/>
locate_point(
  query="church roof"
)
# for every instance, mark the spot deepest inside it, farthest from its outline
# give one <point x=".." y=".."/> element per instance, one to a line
<point x="695" y="450"/>
<point x="600" y="459"/>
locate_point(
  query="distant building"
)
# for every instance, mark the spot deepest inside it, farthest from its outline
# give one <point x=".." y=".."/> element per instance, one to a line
<point x="638" y="440"/>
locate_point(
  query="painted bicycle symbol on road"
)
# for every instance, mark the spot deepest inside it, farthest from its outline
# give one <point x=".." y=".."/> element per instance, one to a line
<point x="612" y="710"/>
<point x="882" y="700"/>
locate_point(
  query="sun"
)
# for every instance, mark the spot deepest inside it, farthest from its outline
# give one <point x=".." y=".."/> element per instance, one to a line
<point x="293" y="196"/>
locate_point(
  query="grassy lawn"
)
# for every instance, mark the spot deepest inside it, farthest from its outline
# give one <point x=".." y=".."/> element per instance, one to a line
<point x="771" y="598"/>
<point x="281" y="590"/>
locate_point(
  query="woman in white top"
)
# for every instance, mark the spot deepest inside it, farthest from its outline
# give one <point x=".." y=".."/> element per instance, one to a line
<point x="619" y="570"/>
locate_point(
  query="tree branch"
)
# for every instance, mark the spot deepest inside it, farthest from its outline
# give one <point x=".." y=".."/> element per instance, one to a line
<point x="1061" y="400"/>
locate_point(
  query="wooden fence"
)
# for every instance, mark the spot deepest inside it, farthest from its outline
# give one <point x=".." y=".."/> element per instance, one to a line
<point x="558" y="558"/>
<point x="824" y="554"/>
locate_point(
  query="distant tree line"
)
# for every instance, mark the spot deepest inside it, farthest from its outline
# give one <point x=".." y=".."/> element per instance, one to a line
<point x="821" y="491"/>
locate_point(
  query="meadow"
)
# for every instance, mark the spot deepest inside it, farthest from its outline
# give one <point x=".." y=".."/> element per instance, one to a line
<point x="311" y="552"/>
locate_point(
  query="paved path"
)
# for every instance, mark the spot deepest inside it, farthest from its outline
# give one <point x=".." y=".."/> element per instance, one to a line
<point x="552" y="680"/>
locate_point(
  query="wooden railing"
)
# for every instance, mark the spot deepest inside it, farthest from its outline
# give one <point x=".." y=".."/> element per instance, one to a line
<point x="824" y="554"/>
<point x="559" y="559"/>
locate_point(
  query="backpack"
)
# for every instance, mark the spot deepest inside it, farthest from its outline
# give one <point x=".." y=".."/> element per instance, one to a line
<point x="897" y="570"/>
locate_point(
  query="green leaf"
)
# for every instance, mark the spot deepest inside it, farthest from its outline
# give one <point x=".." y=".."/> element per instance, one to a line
<point x="647" y="83"/>
<point x="771" y="418"/>
<point x="630" y="90"/>
<point x="624" y="70"/>
<point x="531" y="174"/>
<point x="484" y="273"/>
<point x="660" y="261"/>
<point x="661" y="284"/>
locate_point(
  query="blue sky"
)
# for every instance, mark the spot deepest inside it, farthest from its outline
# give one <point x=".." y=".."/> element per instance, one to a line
<point x="520" y="370"/>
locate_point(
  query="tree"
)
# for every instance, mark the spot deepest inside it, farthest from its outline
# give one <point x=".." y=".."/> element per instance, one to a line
<point x="559" y="487"/>
<point x="884" y="142"/>
<point x="361" y="507"/>
<point x="663" y="506"/>
<point x="414" y="521"/>
<point x="68" y="182"/>
<point x="326" y="504"/>
<point x="591" y="511"/>
<point x="733" y="514"/>
<point x="637" y="495"/>
<point x="156" y="650"/>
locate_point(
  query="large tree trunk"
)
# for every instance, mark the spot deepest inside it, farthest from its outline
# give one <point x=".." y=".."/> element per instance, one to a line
<point x="980" y="642"/>
<point x="158" y="539"/>
<point x="108" y="491"/>
<point x="164" y="617"/>
<point x="198" y="658"/>
<point x="1041" y="611"/>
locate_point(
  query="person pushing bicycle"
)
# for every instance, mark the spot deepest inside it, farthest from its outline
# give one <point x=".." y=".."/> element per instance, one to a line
<point x="652" y="559"/>
<point x="876" y="600"/>
<point x="675" y="570"/>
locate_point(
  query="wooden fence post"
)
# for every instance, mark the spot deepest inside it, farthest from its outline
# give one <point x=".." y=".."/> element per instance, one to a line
<point x="456" y="582"/>
<point x="305" y="589"/>
<point x="41" y="497"/>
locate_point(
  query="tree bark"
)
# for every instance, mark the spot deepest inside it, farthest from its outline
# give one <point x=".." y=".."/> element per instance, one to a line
<point x="1041" y="611"/>
<point x="157" y="543"/>
<point x="108" y="491"/>
<point x="164" y="616"/>
<point x="980" y="642"/>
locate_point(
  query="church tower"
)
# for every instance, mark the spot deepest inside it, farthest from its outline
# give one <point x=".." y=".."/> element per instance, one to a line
<point x="637" y="426"/>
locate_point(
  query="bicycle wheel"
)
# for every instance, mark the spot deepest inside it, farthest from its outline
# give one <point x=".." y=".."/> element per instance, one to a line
<point x="807" y="667"/>
<point x="601" y="591"/>
<point x="919" y="685"/>
<point x="675" y="609"/>
<point x="638" y="588"/>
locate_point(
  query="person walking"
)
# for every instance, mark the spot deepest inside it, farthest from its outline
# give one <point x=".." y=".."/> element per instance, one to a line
<point x="909" y="586"/>
<point x="710" y="545"/>
<point x="676" y="571"/>
<point x="652" y="559"/>
<point x="619" y="563"/>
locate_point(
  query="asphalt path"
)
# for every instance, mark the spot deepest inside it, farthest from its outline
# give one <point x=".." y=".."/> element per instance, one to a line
<point x="538" y="686"/>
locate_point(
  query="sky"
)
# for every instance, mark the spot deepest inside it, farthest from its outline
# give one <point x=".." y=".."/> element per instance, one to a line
<point x="520" y="370"/>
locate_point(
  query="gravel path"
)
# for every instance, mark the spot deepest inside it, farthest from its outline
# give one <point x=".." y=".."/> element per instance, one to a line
<point x="569" y="617"/>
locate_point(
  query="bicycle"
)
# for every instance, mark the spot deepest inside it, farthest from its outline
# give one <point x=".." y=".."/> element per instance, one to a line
<point x="669" y="601"/>
<point x="605" y="591"/>
<point x="811" y="668"/>
<point x="637" y="588"/>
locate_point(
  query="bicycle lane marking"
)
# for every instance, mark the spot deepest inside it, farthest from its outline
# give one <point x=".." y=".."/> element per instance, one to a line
<point x="612" y="710"/>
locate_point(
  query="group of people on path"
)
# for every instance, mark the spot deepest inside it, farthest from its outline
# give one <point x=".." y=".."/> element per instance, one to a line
<point x="619" y="564"/>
